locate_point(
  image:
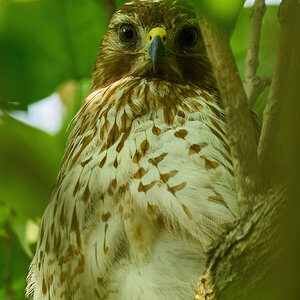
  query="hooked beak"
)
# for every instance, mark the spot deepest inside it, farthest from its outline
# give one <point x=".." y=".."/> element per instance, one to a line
<point x="156" y="46"/>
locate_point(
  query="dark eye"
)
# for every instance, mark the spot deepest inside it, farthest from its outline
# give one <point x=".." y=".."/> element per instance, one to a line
<point x="127" y="33"/>
<point x="188" y="37"/>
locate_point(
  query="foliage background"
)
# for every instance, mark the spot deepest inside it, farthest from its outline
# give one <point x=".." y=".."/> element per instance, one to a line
<point x="46" y="47"/>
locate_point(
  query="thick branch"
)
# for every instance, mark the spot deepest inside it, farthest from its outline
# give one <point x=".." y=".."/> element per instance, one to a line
<point x="253" y="84"/>
<point x="287" y="15"/>
<point x="244" y="256"/>
<point x="109" y="8"/>
<point x="241" y="131"/>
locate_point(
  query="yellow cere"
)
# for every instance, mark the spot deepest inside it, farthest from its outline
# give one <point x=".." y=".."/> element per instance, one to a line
<point x="157" y="31"/>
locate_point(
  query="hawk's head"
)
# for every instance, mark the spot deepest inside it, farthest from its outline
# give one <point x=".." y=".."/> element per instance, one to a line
<point x="151" y="39"/>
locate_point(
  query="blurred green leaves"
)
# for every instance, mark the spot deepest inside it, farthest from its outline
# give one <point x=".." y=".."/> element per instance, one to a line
<point x="14" y="265"/>
<point x="44" y="43"/>
<point x="29" y="162"/>
<point x="31" y="159"/>
<point x="224" y="9"/>
<point x="223" y="12"/>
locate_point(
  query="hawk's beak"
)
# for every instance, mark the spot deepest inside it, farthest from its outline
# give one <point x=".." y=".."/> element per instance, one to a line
<point x="156" y="47"/>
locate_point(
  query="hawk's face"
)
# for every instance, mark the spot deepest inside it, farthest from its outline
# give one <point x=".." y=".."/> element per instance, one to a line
<point x="154" y="40"/>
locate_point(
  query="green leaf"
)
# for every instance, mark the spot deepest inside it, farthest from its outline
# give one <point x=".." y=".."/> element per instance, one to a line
<point x="4" y="216"/>
<point x="44" y="43"/>
<point x="14" y="265"/>
<point x="120" y="2"/>
<point x="29" y="163"/>
<point x="223" y="12"/>
<point x="18" y="225"/>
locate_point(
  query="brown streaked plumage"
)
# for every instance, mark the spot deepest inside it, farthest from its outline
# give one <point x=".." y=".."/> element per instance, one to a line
<point x="146" y="183"/>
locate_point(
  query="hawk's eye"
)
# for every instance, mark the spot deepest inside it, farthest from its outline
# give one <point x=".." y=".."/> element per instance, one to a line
<point x="127" y="33"/>
<point x="188" y="36"/>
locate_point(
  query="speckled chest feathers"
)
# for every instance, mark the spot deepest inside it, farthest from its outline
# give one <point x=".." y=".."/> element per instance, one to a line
<point x="146" y="183"/>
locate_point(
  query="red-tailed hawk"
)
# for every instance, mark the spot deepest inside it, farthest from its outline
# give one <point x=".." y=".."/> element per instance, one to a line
<point x="146" y="183"/>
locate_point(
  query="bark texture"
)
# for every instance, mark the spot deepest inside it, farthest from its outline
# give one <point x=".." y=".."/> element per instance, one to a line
<point x="243" y="259"/>
<point x="234" y="98"/>
<point x="240" y="260"/>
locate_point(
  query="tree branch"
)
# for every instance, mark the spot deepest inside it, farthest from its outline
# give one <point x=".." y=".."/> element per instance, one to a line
<point x="109" y="8"/>
<point x="241" y="131"/>
<point x="256" y="16"/>
<point x="243" y="257"/>
<point x="254" y="85"/>
<point x="287" y="14"/>
<point x="241" y="260"/>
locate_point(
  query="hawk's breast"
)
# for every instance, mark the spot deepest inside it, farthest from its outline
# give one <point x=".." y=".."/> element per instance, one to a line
<point x="145" y="186"/>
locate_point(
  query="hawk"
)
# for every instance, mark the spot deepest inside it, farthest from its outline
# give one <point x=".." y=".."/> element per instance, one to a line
<point x="146" y="183"/>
